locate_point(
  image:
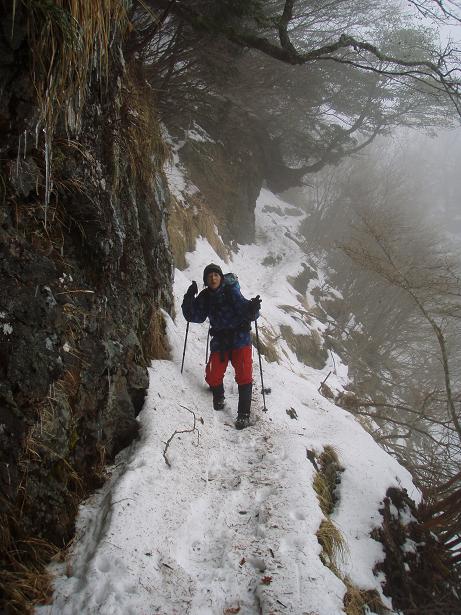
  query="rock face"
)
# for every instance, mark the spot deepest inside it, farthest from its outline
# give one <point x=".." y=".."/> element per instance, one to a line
<point x="225" y="159"/>
<point x="82" y="283"/>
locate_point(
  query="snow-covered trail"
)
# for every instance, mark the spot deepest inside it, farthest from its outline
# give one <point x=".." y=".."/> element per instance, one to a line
<point x="223" y="528"/>
<point x="230" y="526"/>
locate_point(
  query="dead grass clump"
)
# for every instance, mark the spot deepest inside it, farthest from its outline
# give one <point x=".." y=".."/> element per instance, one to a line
<point x="68" y="40"/>
<point x="307" y="348"/>
<point x="322" y="490"/>
<point x="140" y="139"/>
<point x="333" y="544"/>
<point x="356" y="601"/>
<point x="362" y="601"/>
<point x="267" y="344"/>
<point x="71" y="42"/>
<point x="347" y="400"/>
<point x="25" y="580"/>
<point x="154" y="341"/>
<point x="327" y="479"/>
<point x="185" y="224"/>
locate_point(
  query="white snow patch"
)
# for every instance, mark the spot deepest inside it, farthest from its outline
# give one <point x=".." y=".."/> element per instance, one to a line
<point x="7" y="328"/>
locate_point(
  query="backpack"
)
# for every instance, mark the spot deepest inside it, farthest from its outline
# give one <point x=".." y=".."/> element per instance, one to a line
<point x="231" y="279"/>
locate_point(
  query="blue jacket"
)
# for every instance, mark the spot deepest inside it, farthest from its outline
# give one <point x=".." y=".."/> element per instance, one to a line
<point x="229" y="314"/>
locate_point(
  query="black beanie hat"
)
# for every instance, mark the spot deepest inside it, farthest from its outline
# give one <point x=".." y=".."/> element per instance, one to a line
<point x="210" y="269"/>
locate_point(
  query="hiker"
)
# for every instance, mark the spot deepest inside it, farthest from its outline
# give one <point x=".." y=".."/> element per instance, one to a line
<point x="230" y="315"/>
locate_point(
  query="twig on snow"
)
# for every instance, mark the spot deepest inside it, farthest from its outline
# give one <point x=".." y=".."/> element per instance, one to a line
<point x="178" y="431"/>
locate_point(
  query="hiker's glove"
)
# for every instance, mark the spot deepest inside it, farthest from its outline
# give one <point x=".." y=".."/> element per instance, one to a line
<point x="192" y="290"/>
<point x="255" y="305"/>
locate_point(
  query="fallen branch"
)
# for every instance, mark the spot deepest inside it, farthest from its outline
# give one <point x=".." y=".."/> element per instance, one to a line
<point x="324" y="389"/>
<point x="178" y="431"/>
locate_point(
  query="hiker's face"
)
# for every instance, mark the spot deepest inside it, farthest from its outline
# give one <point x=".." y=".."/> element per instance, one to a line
<point x="213" y="280"/>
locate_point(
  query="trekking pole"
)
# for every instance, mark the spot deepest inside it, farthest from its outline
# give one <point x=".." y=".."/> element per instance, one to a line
<point x="207" y="342"/>
<point x="260" y="366"/>
<point x="185" y="342"/>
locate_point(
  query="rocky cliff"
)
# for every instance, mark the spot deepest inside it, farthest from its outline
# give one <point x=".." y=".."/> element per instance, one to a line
<point x="85" y="269"/>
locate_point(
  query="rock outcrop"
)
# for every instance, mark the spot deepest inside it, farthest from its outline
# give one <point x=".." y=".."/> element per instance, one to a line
<point x="83" y="279"/>
<point x="225" y="159"/>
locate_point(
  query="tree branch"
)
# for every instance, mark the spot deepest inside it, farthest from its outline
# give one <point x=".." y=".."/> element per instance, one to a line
<point x="287" y="53"/>
<point x="178" y="431"/>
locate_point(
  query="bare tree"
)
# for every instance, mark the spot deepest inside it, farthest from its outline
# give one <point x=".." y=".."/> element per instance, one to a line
<point x="279" y="32"/>
<point x="314" y="93"/>
<point x="409" y="258"/>
<point x="418" y="417"/>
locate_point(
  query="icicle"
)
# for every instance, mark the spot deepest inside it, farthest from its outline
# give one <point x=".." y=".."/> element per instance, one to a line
<point x="18" y="156"/>
<point x="37" y="126"/>
<point x="47" y="173"/>
<point x="25" y="144"/>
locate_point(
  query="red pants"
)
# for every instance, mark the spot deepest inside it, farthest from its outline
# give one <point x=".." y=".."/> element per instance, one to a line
<point x="242" y="363"/>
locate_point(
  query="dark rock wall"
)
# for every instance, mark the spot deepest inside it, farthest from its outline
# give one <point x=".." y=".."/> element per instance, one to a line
<point x="82" y="282"/>
<point x="228" y="169"/>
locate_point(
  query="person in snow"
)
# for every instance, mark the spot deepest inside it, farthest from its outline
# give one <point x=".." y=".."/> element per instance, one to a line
<point x="230" y="315"/>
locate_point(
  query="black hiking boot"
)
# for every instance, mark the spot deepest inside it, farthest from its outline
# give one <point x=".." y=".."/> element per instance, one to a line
<point x="243" y="413"/>
<point x="243" y="420"/>
<point x="218" y="397"/>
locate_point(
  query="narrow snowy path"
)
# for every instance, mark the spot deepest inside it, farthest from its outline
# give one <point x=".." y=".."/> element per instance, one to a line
<point x="229" y="526"/>
<point x="244" y="531"/>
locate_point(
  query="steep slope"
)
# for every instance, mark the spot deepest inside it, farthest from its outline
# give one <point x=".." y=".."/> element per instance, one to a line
<point x="230" y="524"/>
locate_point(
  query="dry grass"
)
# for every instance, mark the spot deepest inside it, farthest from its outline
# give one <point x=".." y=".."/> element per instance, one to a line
<point x="140" y="139"/>
<point x="70" y="41"/>
<point x="327" y="478"/>
<point x="334" y="548"/>
<point x="267" y="344"/>
<point x="307" y="348"/>
<point x="185" y="224"/>
<point x="26" y="582"/>
<point x="154" y="341"/>
<point x="333" y="544"/>
<point x="360" y="601"/>
<point x="322" y="490"/>
<point x="330" y="538"/>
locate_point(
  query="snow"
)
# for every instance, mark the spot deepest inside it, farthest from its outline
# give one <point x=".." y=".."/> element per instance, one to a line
<point x="230" y="525"/>
<point x="197" y="133"/>
<point x="7" y="328"/>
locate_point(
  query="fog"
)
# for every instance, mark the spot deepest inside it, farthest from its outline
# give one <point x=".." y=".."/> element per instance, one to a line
<point x="419" y="173"/>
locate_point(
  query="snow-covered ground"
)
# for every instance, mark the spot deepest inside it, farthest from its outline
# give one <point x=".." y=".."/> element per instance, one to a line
<point x="230" y="525"/>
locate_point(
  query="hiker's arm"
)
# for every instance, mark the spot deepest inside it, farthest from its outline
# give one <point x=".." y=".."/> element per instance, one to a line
<point x="255" y="307"/>
<point x="193" y="308"/>
<point x="245" y="307"/>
